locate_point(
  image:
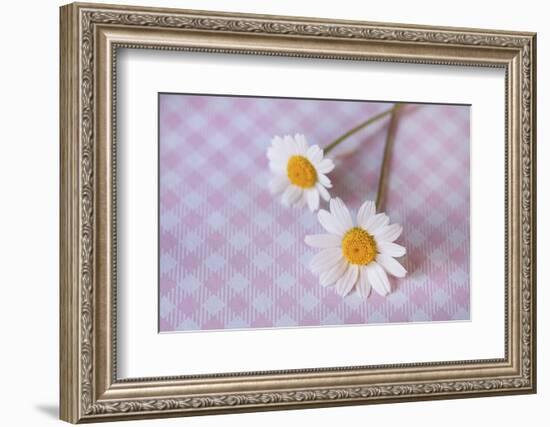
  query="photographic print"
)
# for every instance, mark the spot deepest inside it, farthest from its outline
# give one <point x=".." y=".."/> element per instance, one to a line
<point x="288" y="212"/>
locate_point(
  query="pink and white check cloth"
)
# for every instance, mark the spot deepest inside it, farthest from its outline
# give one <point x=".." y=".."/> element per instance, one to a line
<point x="231" y="256"/>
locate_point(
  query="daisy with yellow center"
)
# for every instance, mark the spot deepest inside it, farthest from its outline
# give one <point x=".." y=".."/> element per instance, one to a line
<point x="356" y="255"/>
<point x="299" y="171"/>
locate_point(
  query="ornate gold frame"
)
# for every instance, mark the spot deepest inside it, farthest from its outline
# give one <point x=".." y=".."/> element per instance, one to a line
<point x="90" y="36"/>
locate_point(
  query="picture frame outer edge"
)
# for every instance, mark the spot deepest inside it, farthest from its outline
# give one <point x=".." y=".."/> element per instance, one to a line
<point x="69" y="354"/>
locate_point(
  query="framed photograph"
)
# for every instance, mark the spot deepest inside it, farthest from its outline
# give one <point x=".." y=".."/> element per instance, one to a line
<point x="266" y="212"/>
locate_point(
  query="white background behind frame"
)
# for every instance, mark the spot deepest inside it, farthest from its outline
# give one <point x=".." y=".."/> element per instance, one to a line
<point x="143" y="352"/>
<point x="31" y="388"/>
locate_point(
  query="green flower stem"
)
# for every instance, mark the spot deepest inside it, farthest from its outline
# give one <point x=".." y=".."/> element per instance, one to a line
<point x="390" y="137"/>
<point x="360" y="126"/>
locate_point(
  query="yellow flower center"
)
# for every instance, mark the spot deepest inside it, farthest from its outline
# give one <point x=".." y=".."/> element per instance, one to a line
<point x="301" y="172"/>
<point x="358" y="246"/>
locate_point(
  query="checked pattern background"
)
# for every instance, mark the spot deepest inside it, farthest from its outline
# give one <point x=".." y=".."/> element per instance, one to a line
<point x="232" y="257"/>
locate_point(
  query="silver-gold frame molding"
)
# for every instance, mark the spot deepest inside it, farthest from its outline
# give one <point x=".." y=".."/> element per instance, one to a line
<point x="90" y="37"/>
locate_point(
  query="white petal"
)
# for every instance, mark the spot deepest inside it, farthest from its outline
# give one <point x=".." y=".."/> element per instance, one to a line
<point x="391" y="249"/>
<point x="322" y="192"/>
<point x="314" y="154"/>
<point x="272" y="153"/>
<point x="329" y="223"/>
<point x="301" y="144"/>
<point x="323" y="179"/>
<point x="302" y="200"/>
<point x="363" y="285"/>
<point x="389" y="233"/>
<point x="312" y="196"/>
<point x="345" y="284"/>
<point x="367" y="210"/>
<point x="277" y="143"/>
<point x="277" y="160"/>
<point x="276" y="140"/>
<point x="280" y="145"/>
<point x="325" y="260"/>
<point x="378" y="279"/>
<point x="284" y="147"/>
<point x="277" y="155"/>
<point x="326" y="166"/>
<point x="376" y="222"/>
<point x="331" y="276"/>
<point x="391" y="265"/>
<point x="291" y="195"/>
<point x="278" y="167"/>
<point x="290" y="145"/>
<point x="341" y="213"/>
<point x="278" y="184"/>
<point x="323" y="241"/>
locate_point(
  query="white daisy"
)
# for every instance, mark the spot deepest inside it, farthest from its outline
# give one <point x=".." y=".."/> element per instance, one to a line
<point x="299" y="171"/>
<point x="356" y="255"/>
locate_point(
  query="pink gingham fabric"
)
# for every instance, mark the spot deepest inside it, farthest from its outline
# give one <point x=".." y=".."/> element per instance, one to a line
<point x="232" y="257"/>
